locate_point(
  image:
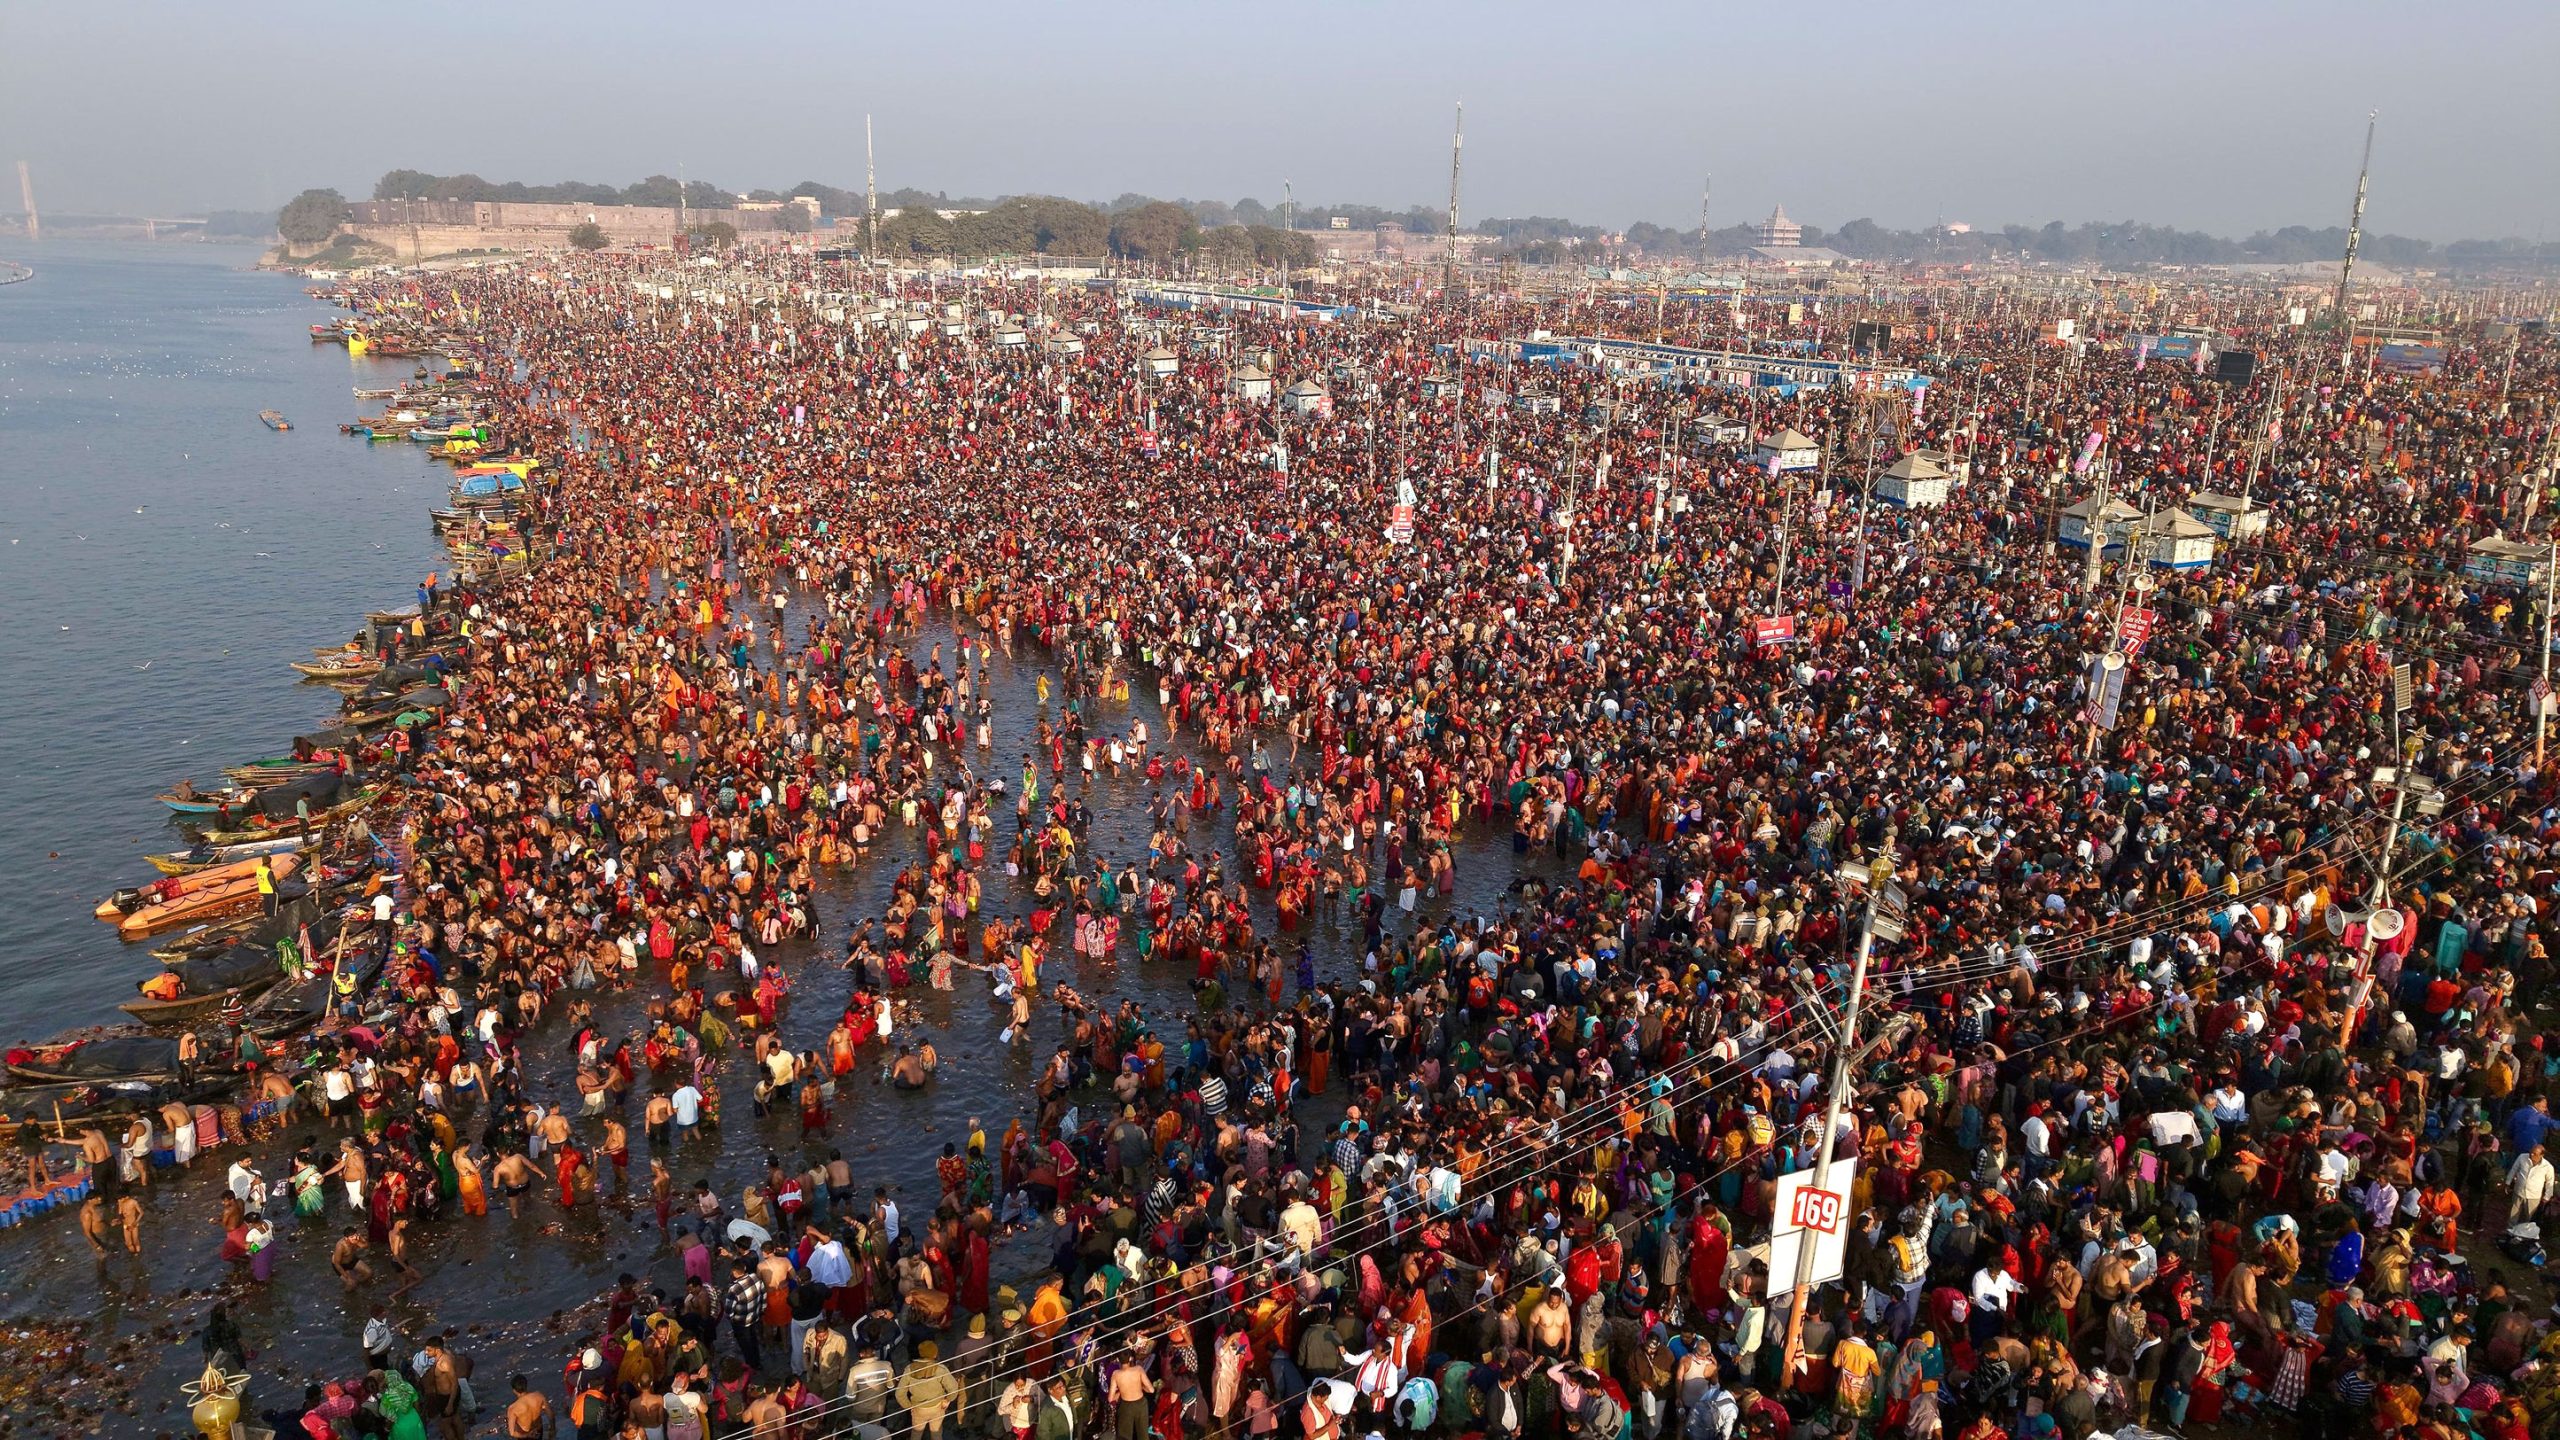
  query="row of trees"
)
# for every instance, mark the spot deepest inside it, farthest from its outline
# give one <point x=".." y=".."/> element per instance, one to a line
<point x="1138" y="226"/>
<point x="656" y="190"/>
<point x="1156" y="230"/>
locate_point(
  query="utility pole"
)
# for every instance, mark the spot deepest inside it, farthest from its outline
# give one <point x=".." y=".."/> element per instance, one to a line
<point x="2134" y="580"/>
<point x="1866" y="498"/>
<point x="1786" y="526"/>
<point x="1573" y="496"/>
<point x="2542" y="701"/>
<point x="27" y="197"/>
<point x="870" y="195"/>
<point x="2096" y="533"/>
<point x="684" y="217"/>
<point x="2264" y="441"/>
<point x="2355" y="217"/>
<point x="1289" y="227"/>
<point x="1706" y="193"/>
<point x="1665" y="478"/>
<point x="1879" y="875"/>
<point x="2380" y="897"/>
<point x="1449" y="272"/>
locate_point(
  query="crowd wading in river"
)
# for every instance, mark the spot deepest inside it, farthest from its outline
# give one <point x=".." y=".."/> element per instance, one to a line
<point x="1432" y="910"/>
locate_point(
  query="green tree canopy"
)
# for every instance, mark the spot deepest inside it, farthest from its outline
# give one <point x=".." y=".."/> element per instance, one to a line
<point x="915" y="231"/>
<point x="312" y="216"/>
<point x="588" y="235"/>
<point x="1154" y="231"/>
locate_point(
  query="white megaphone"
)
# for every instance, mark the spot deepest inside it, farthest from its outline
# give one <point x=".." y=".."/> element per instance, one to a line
<point x="2386" y="925"/>
<point x="2341" y="919"/>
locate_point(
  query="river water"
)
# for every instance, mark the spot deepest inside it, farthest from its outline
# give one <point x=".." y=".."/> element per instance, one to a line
<point x="152" y="514"/>
<point x="163" y="556"/>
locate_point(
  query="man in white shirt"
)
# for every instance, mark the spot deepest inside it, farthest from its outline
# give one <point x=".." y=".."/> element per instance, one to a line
<point x="2230" y="1104"/>
<point x="1992" y="1289"/>
<point x="688" y="1105"/>
<point x="2037" y="1137"/>
<point x="2529" y="1183"/>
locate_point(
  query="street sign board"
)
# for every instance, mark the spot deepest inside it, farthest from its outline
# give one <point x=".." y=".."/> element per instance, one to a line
<point x="1803" y="1210"/>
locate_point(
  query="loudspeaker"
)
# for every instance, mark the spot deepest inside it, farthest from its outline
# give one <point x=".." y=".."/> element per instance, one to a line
<point x="2235" y="367"/>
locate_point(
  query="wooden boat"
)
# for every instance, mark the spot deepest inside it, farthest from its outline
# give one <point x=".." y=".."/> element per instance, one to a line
<point x="262" y="828"/>
<point x="63" y="1111"/>
<point x="176" y="900"/>
<point x="98" y="1060"/>
<point x="298" y="1005"/>
<point x="362" y="393"/>
<point x="275" y="420"/>
<point x="205" y="987"/>
<point x="210" y="939"/>
<point x="260" y="778"/>
<point x="205" y="857"/>
<point x="221" y="935"/>
<point x="342" y="670"/>
<point x="186" y="799"/>
<point x="423" y="700"/>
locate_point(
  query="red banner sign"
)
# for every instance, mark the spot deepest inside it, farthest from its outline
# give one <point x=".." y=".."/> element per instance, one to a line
<point x="2135" y="627"/>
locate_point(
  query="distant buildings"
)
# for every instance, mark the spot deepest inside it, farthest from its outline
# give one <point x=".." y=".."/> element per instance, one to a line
<point x="415" y="229"/>
<point x="1390" y="244"/>
<point x="1782" y="243"/>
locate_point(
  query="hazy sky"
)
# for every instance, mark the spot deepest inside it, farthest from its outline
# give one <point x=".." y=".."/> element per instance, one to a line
<point x="2227" y="116"/>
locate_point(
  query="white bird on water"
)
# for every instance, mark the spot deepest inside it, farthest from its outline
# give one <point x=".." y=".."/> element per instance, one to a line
<point x="145" y="665"/>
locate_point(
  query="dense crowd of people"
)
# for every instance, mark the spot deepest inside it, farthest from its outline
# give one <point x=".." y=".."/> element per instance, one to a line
<point x="2142" y="1138"/>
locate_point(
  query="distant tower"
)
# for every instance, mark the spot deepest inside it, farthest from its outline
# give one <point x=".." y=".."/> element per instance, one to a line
<point x="27" y="197"/>
<point x="1779" y="232"/>
<point x="2355" y="217"/>
<point x="1288" y="228"/>
<point x="870" y="191"/>
<point x="1706" y="193"/>
<point x="1457" y="143"/>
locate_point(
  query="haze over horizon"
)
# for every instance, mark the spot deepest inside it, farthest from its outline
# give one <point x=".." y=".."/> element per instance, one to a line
<point x="2221" y="119"/>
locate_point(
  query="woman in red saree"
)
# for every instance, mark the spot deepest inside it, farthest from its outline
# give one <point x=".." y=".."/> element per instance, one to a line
<point x="2205" y="1397"/>
<point x="1709" y="1246"/>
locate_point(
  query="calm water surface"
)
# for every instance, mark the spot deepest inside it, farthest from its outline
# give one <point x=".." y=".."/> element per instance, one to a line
<point x="163" y="556"/>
